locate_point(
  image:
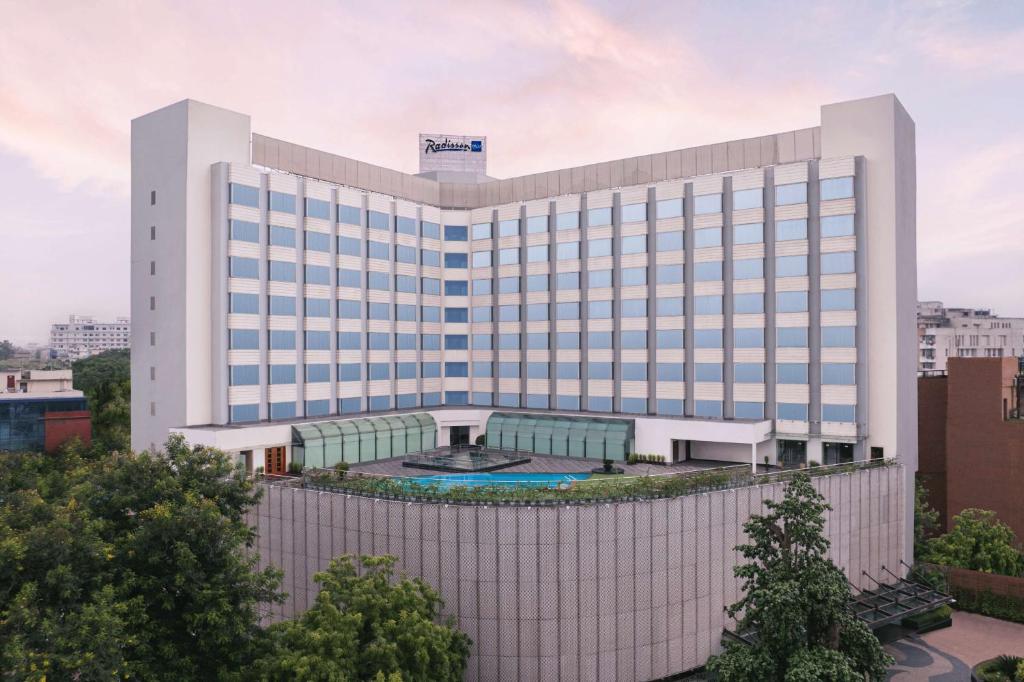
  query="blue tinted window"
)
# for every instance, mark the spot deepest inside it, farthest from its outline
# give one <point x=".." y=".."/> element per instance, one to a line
<point x="480" y="398"/>
<point x="599" y="310"/>
<point x="508" y="370"/>
<point x="281" y="339"/>
<point x="456" y="398"/>
<point x="707" y="305"/>
<point x="481" y="259"/>
<point x="348" y="214"/>
<point x="670" y="406"/>
<point x="599" y="278"/>
<point x="632" y="213"/>
<point x="599" y="339"/>
<point x="792" y="411"/>
<point x="318" y="373"/>
<point x="430" y="370"/>
<point x="405" y="341"/>
<point x="349" y="310"/>
<point x="406" y="400"/>
<point x="537" y="370"/>
<point x="596" y="217"/>
<point x="568" y="251"/>
<point x="508" y="256"/>
<point x="282" y="374"/>
<point x="747" y="198"/>
<point x="405" y="254"/>
<point x="243" y="339"/>
<point x="482" y="313"/>
<point x="746" y="304"/>
<point x="837" y="263"/>
<point x="244" y="231"/>
<point x="747" y="410"/>
<point x="430" y="230"/>
<point x="537" y="312"/>
<point x="791" y="302"/>
<point x="599" y="247"/>
<point x="483" y="369"/>
<point x="282" y="305"/>
<point x="245" y="413"/>
<point x="749" y="338"/>
<point x="508" y="400"/>
<point x="404" y="225"/>
<point x="282" y="203"/>
<point x="837" y="299"/>
<point x="456" y="315"/>
<point x="456" y="369"/>
<point x="599" y="370"/>
<point x="244" y="303"/>
<point x="669" y="208"/>
<point x="669" y="241"/>
<point x="247" y="268"/>
<point x="707" y="237"/>
<point x="508" y="313"/>
<point x="836" y="188"/>
<point x="482" y="341"/>
<point x="244" y="375"/>
<point x="430" y="313"/>
<point x="508" y="285"/>
<point x="707" y="271"/>
<point x="540" y="282"/>
<point x="456" y="233"/>
<point x="430" y="285"/>
<point x="634" y="307"/>
<point x="748" y="373"/>
<point x="429" y="257"/>
<point x="282" y="410"/>
<point x="634" y="405"/>
<point x="669" y="338"/>
<point x="318" y="274"/>
<point x="318" y="241"/>
<point x="673" y="306"/>
<point x="568" y="340"/>
<point x="405" y="284"/>
<point x="633" y="277"/>
<point x="378" y="311"/>
<point x="456" y="287"/>
<point x="376" y="220"/>
<point x="456" y="342"/>
<point x="567" y="311"/>
<point x="508" y="228"/>
<point x="349" y="246"/>
<point x="748" y="268"/>
<point x="707" y="338"/>
<point x="536" y="254"/>
<point x="537" y="340"/>
<point x="748" y="233"/>
<point x="378" y="250"/>
<point x="788" y="230"/>
<point x="707" y="408"/>
<point x="567" y="402"/>
<point x="790" y="266"/>
<point x="669" y="371"/>
<point x="481" y="287"/>
<point x="708" y="371"/>
<point x="316" y="340"/>
<point x="537" y="223"/>
<point x="350" y="372"/>
<point x="378" y="341"/>
<point x="634" y="244"/>
<point x="349" y="405"/>
<point x="567" y="370"/>
<point x="567" y="221"/>
<point x="670" y="274"/>
<point x="634" y="371"/>
<point x="378" y="370"/>
<point x="244" y="195"/>
<point x="792" y="337"/>
<point x="456" y="260"/>
<point x="838" y="373"/>
<point x="348" y="278"/>
<point x="508" y="341"/>
<point x="481" y="230"/>
<point x="837" y="226"/>
<point x="791" y="373"/>
<point x="379" y="402"/>
<point x="707" y="203"/>
<point x="839" y="413"/>
<point x="597" y="403"/>
<point x="795" y="193"/>
<point x="634" y="339"/>
<point x="281" y="271"/>
<point x="838" y="337"/>
<point x="432" y="399"/>
<point x="318" y="307"/>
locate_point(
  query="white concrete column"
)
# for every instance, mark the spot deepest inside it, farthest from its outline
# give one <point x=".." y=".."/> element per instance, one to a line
<point x="753" y="458"/>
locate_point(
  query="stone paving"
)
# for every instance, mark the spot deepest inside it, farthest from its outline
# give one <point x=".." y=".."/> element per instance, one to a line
<point x="948" y="655"/>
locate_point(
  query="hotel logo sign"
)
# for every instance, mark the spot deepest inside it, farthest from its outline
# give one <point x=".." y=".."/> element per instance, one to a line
<point x="454" y="153"/>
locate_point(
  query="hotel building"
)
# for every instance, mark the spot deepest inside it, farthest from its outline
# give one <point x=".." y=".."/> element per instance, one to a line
<point x="946" y="333"/>
<point x="752" y="299"/>
<point x="83" y="336"/>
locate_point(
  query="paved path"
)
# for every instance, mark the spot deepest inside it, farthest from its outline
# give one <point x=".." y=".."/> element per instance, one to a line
<point x="948" y="655"/>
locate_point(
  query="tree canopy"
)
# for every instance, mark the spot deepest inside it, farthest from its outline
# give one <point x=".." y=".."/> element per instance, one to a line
<point x="366" y="626"/>
<point x="131" y="566"/>
<point x="796" y="600"/>
<point x="106" y="381"/>
<point x="978" y="541"/>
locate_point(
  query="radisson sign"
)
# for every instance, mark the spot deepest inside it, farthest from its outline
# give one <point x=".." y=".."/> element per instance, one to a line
<point x="453" y="153"/>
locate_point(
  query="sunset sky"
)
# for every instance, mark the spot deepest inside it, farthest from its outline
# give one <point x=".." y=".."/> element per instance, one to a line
<point x="552" y="84"/>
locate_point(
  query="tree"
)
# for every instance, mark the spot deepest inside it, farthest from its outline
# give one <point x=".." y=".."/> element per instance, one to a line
<point x="105" y="379"/>
<point x="926" y="520"/>
<point x="366" y="626"/>
<point x="796" y="601"/>
<point x="980" y="542"/>
<point x="6" y="350"/>
<point x="131" y="566"/>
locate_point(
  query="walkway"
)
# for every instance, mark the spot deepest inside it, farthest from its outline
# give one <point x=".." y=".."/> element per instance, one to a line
<point x="948" y="655"/>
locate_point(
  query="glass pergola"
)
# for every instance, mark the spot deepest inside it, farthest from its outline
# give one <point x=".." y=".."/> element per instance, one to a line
<point x="324" y="444"/>
<point x="587" y="437"/>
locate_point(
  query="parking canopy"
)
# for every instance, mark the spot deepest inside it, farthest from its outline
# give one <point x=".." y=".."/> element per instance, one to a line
<point x="326" y="443"/>
<point x="589" y="437"/>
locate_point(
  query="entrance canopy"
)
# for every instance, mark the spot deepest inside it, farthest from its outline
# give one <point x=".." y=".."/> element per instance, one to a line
<point x="324" y="444"/>
<point x="589" y="437"/>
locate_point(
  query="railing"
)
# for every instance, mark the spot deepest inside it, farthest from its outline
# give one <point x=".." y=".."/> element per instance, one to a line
<point x="613" y="488"/>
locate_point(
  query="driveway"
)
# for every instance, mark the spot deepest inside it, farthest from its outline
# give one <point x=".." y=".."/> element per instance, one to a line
<point x="948" y="655"/>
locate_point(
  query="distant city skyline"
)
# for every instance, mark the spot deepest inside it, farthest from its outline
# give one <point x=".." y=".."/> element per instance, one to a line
<point x="568" y="81"/>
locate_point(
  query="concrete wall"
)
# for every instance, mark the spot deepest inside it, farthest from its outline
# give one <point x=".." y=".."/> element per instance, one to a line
<point x="629" y="591"/>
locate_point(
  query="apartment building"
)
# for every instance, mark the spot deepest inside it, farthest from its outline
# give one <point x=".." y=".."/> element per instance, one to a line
<point x="83" y="336"/>
<point x="965" y="333"/>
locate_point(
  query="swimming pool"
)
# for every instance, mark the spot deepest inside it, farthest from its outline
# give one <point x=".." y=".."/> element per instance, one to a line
<point x="446" y="481"/>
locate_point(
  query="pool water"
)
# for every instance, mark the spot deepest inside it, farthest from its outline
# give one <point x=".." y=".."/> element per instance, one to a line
<point x="446" y="481"/>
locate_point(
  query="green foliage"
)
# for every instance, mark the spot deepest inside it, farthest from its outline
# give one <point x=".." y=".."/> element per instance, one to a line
<point x="6" y="350"/>
<point x="129" y="566"/>
<point x="928" y="618"/>
<point x="366" y="626"/>
<point x="1002" y="669"/>
<point x="926" y="520"/>
<point x="980" y="542"/>
<point x="294" y="468"/>
<point x="106" y="381"/>
<point x="796" y="601"/>
<point x="989" y="604"/>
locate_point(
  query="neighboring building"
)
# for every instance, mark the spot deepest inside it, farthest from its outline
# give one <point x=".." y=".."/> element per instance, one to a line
<point x="708" y="303"/>
<point x="82" y="336"/>
<point x="971" y="432"/>
<point x="36" y="381"/>
<point x="945" y="333"/>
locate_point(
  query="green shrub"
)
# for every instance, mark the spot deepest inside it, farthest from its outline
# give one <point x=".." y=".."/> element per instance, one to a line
<point x="1001" y="669"/>
<point x="989" y="604"/>
<point x="295" y="468"/>
<point x="632" y="458"/>
<point x="928" y="618"/>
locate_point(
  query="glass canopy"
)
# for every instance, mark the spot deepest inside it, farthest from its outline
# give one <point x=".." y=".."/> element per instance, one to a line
<point x="324" y="444"/>
<point x="589" y="437"/>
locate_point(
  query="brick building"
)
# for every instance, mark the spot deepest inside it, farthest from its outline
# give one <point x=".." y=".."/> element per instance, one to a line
<point x="971" y="435"/>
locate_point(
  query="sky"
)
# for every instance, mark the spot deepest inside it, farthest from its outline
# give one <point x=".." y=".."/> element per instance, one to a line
<point x="551" y="84"/>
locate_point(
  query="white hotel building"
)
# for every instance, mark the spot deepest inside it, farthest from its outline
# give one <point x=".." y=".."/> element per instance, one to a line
<point x="745" y="299"/>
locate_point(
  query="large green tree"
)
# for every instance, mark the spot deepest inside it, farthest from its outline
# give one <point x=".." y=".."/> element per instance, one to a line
<point x="926" y="521"/>
<point x="130" y="566"/>
<point x="796" y="599"/>
<point x="978" y="541"/>
<point x="6" y="350"/>
<point x="367" y="625"/>
<point x="106" y="381"/>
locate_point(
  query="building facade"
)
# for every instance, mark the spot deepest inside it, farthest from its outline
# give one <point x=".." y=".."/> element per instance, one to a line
<point x="972" y="438"/>
<point x="83" y="336"/>
<point x="965" y="333"/>
<point x="718" y="297"/>
<point x="36" y="381"/>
